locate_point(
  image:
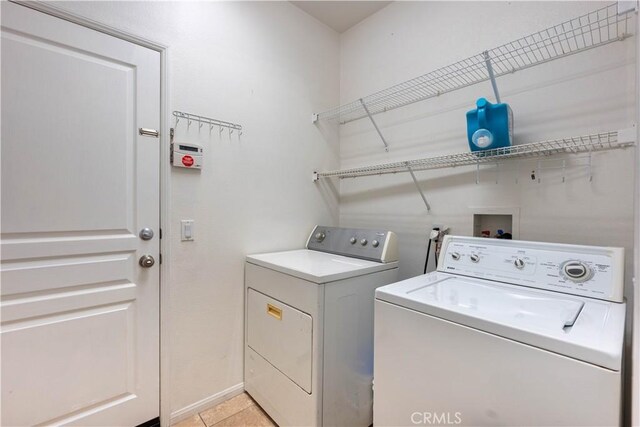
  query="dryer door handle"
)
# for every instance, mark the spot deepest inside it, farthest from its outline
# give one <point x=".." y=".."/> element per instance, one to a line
<point x="274" y="311"/>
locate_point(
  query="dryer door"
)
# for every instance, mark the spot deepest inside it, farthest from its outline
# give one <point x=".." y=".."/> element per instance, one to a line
<point x="282" y="335"/>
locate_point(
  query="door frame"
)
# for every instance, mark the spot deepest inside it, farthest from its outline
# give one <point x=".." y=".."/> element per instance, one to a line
<point x="165" y="182"/>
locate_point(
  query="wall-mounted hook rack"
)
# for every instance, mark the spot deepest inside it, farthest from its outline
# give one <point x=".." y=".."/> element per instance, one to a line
<point x="206" y="120"/>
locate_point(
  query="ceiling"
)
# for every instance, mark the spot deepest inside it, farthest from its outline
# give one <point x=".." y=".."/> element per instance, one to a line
<point x="340" y="15"/>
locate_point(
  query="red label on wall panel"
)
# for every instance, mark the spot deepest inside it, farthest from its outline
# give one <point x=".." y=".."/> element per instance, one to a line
<point x="187" y="161"/>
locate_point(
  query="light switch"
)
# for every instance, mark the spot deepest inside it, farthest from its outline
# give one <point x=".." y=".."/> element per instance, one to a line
<point x="187" y="229"/>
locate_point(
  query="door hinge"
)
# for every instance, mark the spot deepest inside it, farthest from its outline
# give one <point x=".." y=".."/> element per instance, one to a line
<point x="149" y="132"/>
<point x="160" y="233"/>
<point x="160" y="258"/>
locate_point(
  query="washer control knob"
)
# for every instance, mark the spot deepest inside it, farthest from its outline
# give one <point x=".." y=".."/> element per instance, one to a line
<point x="475" y="257"/>
<point x="320" y="236"/>
<point x="576" y="271"/>
<point x="375" y="243"/>
<point x="455" y="255"/>
<point x="353" y="240"/>
<point x="519" y="263"/>
<point x="364" y="242"/>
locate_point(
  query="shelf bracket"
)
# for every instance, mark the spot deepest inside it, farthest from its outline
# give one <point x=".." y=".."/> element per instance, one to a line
<point x="415" y="181"/>
<point x="492" y="76"/>
<point x="375" y="125"/>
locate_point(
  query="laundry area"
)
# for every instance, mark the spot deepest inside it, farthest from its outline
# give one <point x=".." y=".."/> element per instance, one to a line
<point x="319" y="213"/>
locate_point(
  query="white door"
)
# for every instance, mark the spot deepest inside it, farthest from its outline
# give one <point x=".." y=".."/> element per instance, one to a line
<point x="79" y="315"/>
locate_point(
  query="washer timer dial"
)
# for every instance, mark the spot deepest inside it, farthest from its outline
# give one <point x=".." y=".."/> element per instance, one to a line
<point x="576" y="271"/>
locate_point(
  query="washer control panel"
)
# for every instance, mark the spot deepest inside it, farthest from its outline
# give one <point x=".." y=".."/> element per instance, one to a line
<point x="590" y="271"/>
<point x="374" y="245"/>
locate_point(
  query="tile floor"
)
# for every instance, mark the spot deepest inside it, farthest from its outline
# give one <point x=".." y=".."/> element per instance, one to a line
<point x="237" y="411"/>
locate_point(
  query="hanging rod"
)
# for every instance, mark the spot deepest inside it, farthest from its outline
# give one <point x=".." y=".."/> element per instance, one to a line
<point x="594" y="29"/>
<point x="206" y="120"/>
<point x="579" y="144"/>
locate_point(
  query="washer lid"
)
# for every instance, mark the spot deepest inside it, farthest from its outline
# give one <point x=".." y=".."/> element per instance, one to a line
<point x="317" y="267"/>
<point x="582" y="328"/>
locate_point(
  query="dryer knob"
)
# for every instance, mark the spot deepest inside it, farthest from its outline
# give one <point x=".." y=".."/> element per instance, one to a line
<point x="375" y="243"/>
<point x="519" y="263"/>
<point x="353" y="240"/>
<point x="455" y="255"/>
<point x="320" y="236"/>
<point x="364" y="242"/>
<point x="474" y="257"/>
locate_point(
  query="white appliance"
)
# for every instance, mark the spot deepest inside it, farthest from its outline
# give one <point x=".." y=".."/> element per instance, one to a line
<point x="503" y="333"/>
<point x="309" y="326"/>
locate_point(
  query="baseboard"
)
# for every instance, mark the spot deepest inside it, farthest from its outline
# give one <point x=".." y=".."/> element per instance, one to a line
<point x="205" y="403"/>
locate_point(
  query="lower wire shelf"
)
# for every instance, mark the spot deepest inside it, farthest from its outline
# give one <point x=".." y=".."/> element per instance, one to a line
<point x="574" y="145"/>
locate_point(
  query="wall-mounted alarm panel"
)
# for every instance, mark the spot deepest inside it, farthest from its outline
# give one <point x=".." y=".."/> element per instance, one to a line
<point x="186" y="155"/>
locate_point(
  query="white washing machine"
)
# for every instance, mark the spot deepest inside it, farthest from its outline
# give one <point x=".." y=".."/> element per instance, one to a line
<point x="503" y="333"/>
<point x="309" y="326"/>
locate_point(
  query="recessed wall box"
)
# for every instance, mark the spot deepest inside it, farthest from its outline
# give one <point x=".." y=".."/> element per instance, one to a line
<point x="186" y="155"/>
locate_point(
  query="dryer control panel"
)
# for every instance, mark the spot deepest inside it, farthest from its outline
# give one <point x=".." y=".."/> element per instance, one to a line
<point x="374" y="245"/>
<point x="590" y="271"/>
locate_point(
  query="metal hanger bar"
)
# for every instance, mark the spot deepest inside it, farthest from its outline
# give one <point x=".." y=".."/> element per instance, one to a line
<point x="492" y="77"/>
<point x="415" y="181"/>
<point x="375" y="125"/>
<point x="201" y="119"/>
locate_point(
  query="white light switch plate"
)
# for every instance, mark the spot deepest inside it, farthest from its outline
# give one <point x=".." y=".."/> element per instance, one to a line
<point x="186" y="230"/>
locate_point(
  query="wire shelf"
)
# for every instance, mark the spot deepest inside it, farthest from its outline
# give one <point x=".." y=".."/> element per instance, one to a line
<point x="585" y="32"/>
<point x="574" y="145"/>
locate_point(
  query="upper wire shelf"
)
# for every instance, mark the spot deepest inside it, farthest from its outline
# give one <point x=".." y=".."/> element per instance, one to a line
<point x="579" y="144"/>
<point x="594" y="29"/>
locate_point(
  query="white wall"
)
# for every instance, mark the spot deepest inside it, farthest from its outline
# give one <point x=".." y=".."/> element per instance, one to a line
<point x="587" y="93"/>
<point x="267" y="66"/>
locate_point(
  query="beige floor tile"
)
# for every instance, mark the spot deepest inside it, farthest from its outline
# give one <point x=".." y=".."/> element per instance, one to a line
<point x="193" y="421"/>
<point x="226" y="409"/>
<point x="253" y="416"/>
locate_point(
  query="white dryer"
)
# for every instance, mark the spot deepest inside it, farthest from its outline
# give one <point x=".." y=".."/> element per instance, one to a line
<point x="309" y="326"/>
<point x="504" y="333"/>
